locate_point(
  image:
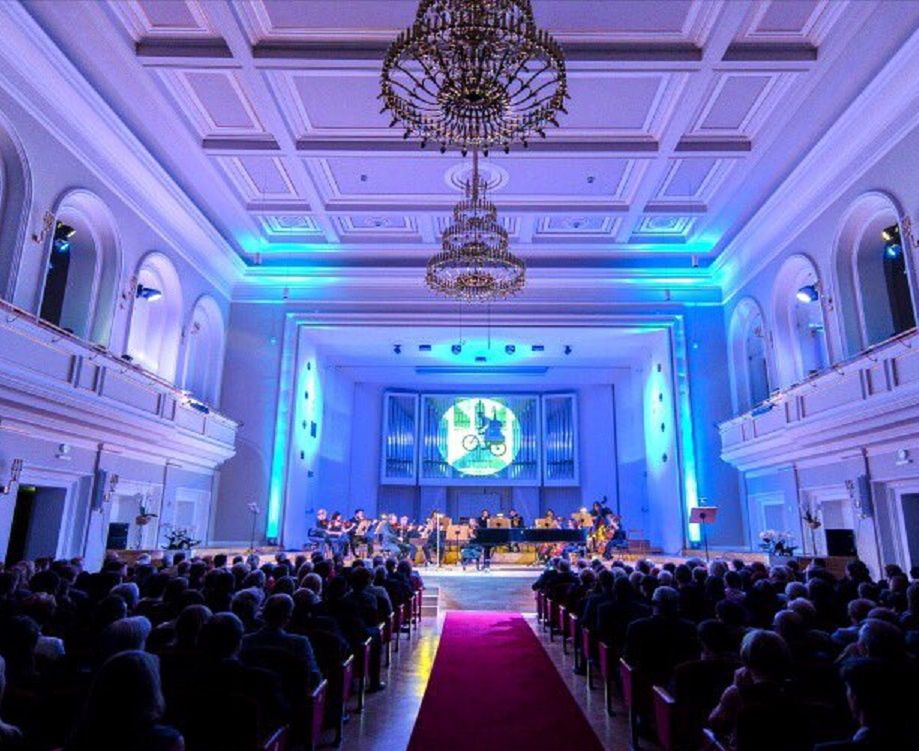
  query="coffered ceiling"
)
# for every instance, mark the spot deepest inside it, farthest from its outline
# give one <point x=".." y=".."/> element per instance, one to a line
<point x="685" y="115"/>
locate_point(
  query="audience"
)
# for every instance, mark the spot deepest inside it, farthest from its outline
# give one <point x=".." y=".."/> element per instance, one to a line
<point x="168" y="655"/>
<point x="768" y="658"/>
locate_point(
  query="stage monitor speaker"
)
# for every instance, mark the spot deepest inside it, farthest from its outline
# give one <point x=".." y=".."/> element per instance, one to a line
<point x="841" y="542"/>
<point x="117" y="536"/>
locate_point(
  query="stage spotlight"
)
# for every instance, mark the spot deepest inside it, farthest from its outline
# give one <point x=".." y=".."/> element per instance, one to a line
<point x="808" y="293"/>
<point x="397" y="349"/>
<point x="148" y="293"/>
<point x="539" y="348"/>
<point x="568" y="349"/>
<point x="510" y="349"/>
<point x="456" y="348"/>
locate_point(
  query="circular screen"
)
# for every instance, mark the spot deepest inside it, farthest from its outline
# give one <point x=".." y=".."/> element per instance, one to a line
<point x="479" y="436"/>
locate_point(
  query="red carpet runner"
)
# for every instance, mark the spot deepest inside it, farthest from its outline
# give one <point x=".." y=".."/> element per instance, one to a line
<point x="494" y="687"/>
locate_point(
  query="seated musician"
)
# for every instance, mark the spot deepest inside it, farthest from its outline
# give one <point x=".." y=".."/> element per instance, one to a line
<point x="616" y="537"/>
<point x="516" y="518"/>
<point x="318" y="534"/>
<point x="390" y="541"/>
<point x="408" y="534"/>
<point x="600" y="511"/>
<point x="472" y="551"/>
<point x="552" y="519"/>
<point x="483" y="518"/>
<point x="337" y="539"/>
<point x="356" y="539"/>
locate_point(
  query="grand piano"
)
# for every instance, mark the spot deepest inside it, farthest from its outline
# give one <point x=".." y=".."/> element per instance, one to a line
<point x="532" y="535"/>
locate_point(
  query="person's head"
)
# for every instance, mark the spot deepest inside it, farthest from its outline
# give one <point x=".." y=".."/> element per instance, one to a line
<point x="359" y="514"/>
<point x="277" y="611"/>
<point x="716" y="639"/>
<point x="125" y="699"/>
<point x="321" y="515"/>
<point x="485" y="513"/>
<point x="806" y="609"/>
<point x="912" y="596"/>
<point x="124" y="635"/>
<point x="221" y="637"/>
<point x="876" y="697"/>
<point x="313" y="582"/>
<point x="189" y="623"/>
<point x="794" y="590"/>
<point x="789" y="625"/>
<point x="733" y="580"/>
<point x="564" y="566"/>
<point x="403" y="520"/>
<point x="605" y="580"/>
<point x="284" y="586"/>
<point x="360" y="578"/>
<point x="881" y="640"/>
<point x="336" y="516"/>
<point x="765" y="654"/>
<point x="665" y="601"/>
<point x="731" y="614"/>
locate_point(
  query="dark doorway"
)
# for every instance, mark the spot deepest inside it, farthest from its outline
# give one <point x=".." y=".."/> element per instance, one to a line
<point x="36" y="525"/>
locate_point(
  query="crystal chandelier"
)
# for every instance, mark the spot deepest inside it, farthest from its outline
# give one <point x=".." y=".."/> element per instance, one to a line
<point x="475" y="264"/>
<point x="474" y="74"/>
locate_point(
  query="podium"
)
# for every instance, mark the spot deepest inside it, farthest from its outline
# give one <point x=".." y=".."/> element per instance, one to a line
<point x="704" y="515"/>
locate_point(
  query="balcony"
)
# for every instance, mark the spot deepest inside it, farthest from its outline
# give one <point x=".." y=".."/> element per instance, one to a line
<point x="57" y="385"/>
<point x="867" y="403"/>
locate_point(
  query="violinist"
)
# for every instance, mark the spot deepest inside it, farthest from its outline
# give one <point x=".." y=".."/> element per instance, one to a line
<point x="356" y="539"/>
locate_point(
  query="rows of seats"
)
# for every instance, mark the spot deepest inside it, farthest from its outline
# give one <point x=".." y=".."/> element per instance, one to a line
<point x="742" y="657"/>
<point x="203" y="654"/>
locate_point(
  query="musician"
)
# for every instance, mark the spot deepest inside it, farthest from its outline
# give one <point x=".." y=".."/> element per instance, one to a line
<point x="356" y="539"/>
<point x="516" y="521"/>
<point x="482" y="523"/>
<point x="407" y="532"/>
<point x="600" y="511"/>
<point x="388" y="533"/>
<point x="433" y="531"/>
<point x="336" y="537"/>
<point x="318" y="533"/>
<point x="617" y="537"/>
<point x="472" y="551"/>
<point x="552" y="519"/>
<point x="483" y="518"/>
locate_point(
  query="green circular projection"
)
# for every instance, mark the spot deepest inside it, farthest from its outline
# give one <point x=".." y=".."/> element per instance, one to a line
<point x="479" y="436"/>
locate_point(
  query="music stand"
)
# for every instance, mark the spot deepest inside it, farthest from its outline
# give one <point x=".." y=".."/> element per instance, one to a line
<point x="499" y="522"/>
<point x="542" y="523"/>
<point x="704" y="515"/>
<point x="583" y="519"/>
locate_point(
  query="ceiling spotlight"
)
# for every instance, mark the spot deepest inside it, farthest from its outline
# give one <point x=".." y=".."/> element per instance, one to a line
<point x="148" y="293"/>
<point x="539" y="348"/>
<point x="456" y="348"/>
<point x="397" y="349"/>
<point x="510" y="349"/>
<point x="568" y="349"/>
<point x="808" y="293"/>
<point x="891" y="233"/>
<point x="63" y="231"/>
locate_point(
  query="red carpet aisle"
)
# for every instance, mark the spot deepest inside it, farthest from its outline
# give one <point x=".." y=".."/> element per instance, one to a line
<point x="494" y="687"/>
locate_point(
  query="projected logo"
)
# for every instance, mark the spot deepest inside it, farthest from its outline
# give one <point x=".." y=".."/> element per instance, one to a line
<point x="479" y="436"/>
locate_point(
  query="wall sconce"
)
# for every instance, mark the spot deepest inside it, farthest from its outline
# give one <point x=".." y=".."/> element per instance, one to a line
<point x="47" y="222"/>
<point x="112" y="487"/>
<point x="15" y="472"/>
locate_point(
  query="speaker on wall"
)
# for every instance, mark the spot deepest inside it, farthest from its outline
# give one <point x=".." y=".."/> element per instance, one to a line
<point x="841" y="542"/>
<point x="117" y="536"/>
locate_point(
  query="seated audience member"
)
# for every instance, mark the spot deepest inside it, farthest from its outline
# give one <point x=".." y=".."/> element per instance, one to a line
<point x="614" y="618"/>
<point x="124" y="709"/>
<point x="657" y="644"/>
<point x="121" y="636"/>
<point x="857" y="610"/>
<point x="698" y="684"/>
<point x="883" y="700"/>
<point x="11" y="738"/>
<point x="276" y="615"/>
<point x="758" y="697"/>
<point x="219" y="645"/>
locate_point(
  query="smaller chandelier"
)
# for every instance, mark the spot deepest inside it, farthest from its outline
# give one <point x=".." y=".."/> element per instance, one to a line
<point x="475" y="264"/>
<point x="474" y="74"/>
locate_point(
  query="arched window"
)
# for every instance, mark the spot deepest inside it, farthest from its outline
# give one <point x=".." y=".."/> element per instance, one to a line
<point x="204" y="346"/>
<point x="873" y="274"/>
<point x="156" y="317"/>
<point x="749" y="362"/>
<point x="83" y="267"/>
<point x="15" y="196"/>
<point x="800" y="333"/>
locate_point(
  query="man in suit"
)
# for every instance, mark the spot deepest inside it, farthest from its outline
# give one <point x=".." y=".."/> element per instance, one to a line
<point x="656" y="645"/>
<point x="276" y="615"/>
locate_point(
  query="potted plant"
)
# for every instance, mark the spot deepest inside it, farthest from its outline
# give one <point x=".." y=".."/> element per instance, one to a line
<point x="180" y="539"/>
<point x="777" y="544"/>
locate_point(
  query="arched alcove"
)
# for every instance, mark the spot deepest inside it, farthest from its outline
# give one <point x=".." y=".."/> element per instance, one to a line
<point x="15" y="198"/>
<point x="204" y="346"/>
<point x="800" y="330"/>
<point x="156" y="317"/>
<point x="748" y="355"/>
<point x="83" y="267"/>
<point x="874" y="278"/>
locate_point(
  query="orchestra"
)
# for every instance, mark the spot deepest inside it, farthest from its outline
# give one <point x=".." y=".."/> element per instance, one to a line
<point x="404" y="537"/>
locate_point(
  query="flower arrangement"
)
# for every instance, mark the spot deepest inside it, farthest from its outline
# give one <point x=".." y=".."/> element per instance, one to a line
<point x="144" y="517"/>
<point x="777" y="543"/>
<point x="179" y="539"/>
<point x="811" y="520"/>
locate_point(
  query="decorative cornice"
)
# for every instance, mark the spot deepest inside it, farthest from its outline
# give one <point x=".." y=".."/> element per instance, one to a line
<point x="879" y="118"/>
<point x="48" y="86"/>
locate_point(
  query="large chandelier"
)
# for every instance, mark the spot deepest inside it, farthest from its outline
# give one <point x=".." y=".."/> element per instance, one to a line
<point x="475" y="264"/>
<point x="474" y="74"/>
